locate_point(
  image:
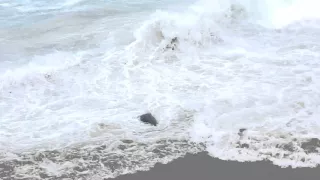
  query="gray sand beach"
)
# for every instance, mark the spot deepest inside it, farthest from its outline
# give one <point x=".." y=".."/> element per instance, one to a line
<point x="203" y="167"/>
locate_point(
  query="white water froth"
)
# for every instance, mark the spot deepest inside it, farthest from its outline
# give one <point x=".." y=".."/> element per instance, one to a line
<point x="234" y="74"/>
<point x="205" y="71"/>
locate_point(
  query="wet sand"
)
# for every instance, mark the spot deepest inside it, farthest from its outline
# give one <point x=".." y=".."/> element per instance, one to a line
<point x="203" y="167"/>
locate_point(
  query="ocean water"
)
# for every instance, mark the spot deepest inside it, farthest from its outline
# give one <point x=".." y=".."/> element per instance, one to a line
<point x="237" y="78"/>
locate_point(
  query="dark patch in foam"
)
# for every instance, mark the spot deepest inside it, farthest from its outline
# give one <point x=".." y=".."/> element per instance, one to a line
<point x="127" y="141"/>
<point x="311" y="145"/>
<point x="308" y="146"/>
<point x="173" y="43"/>
<point x="122" y="147"/>
<point x="239" y="144"/>
<point x="244" y="145"/>
<point x="287" y="147"/>
<point x="6" y="170"/>
<point x="241" y="131"/>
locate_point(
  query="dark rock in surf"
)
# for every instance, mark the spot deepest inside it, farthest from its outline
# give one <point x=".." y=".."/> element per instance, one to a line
<point x="242" y="145"/>
<point x="241" y="131"/>
<point x="173" y="43"/>
<point x="148" y="119"/>
<point x="174" y="40"/>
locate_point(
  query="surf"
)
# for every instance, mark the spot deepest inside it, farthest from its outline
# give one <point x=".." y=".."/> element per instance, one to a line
<point x="238" y="79"/>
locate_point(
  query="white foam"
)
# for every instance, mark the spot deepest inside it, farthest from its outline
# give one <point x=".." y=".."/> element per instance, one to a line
<point x="246" y="81"/>
<point x="296" y="11"/>
<point x="207" y="70"/>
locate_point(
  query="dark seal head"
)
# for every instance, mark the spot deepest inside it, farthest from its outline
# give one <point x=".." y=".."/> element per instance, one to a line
<point x="148" y="119"/>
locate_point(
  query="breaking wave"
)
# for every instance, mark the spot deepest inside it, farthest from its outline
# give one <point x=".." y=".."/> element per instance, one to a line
<point x="237" y="78"/>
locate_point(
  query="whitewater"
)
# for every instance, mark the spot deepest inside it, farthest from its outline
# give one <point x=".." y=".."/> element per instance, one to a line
<point x="237" y="78"/>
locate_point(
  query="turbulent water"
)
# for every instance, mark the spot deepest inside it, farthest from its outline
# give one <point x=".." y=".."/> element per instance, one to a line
<point x="237" y="78"/>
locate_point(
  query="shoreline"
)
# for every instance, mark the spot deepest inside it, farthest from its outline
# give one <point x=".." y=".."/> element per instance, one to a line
<point x="201" y="166"/>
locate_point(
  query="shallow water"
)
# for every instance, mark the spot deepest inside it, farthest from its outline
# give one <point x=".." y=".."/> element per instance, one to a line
<point x="238" y="78"/>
